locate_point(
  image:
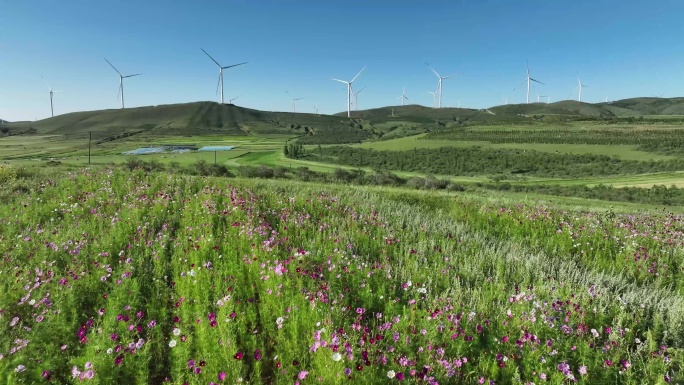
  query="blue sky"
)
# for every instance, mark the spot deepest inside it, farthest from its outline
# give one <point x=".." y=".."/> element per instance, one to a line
<point x="620" y="48"/>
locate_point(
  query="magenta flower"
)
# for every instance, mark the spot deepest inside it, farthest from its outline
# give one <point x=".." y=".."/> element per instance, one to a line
<point x="222" y="376"/>
<point x="257" y="354"/>
<point x="302" y="375"/>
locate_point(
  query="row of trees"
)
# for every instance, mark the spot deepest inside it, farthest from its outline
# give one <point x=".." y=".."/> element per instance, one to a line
<point x="478" y="161"/>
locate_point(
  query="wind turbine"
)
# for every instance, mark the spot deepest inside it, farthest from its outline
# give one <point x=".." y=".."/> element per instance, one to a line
<point x="349" y="90"/>
<point x="356" y="98"/>
<point x="294" y="104"/>
<point x="221" y="68"/>
<point x="528" y="80"/>
<point x="439" y="83"/>
<point x="579" y="87"/>
<point x="434" y="98"/>
<point x="315" y="110"/>
<point x="52" y="110"/>
<point x="231" y="100"/>
<point x="403" y="96"/>
<point x="121" y="78"/>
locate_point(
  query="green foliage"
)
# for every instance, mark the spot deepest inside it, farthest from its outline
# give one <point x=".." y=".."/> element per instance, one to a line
<point x="478" y="161"/>
<point x="664" y="141"/>
<point x="185" y="278"/>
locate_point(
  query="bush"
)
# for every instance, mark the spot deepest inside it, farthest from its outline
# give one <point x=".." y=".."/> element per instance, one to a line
<point x="416" y="182"/>
<point x="7" y="173"/>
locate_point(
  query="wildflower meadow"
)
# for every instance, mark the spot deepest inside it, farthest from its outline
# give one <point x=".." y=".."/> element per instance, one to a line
<point x="150" y="278"/>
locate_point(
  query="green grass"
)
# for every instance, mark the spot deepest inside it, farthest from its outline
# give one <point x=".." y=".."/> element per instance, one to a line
<point x="266" y="280"/>
<point x="409" y="143"/>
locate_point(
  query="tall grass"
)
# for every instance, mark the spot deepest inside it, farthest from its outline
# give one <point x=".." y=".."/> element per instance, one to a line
<point x="147" y="278"/>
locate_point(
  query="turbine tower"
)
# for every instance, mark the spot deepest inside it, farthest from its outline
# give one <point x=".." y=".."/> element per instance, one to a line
<point x="52" y="110"/>
<point x="403" y="96"/>
<point x="121" y="78"/>
<point x="434" y="98"/>
<point x="349" y="90"/>
<point x="528" y="80"/>
<point x="439" y="83"/>
<point x="315" y="110"/>
<point x="356" y="98"/>
<point x="294" y="104"/>
<point x="579" y="87"/>
<point x="221" y="68"/>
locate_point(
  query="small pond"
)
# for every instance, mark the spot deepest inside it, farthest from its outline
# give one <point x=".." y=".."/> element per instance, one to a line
<point x="216" y="148"/>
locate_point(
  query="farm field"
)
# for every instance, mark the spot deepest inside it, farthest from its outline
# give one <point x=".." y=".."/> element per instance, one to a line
<point x="147" y="277"/>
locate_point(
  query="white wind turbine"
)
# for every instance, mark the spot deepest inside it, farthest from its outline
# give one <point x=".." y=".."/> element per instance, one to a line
<point x="294" y="102"/>
<point x="403" y="96"/>
<point x="349" y="90"/>
<point x="121" y="78"/>
<point x="528" y="80"/>
<point x="434" y="98"/>
<point x="231" y="100"/>
<point x="315" y="110"/>
<point x="52" y="110"/>
<point x="439" y="83"/>
<point x="579" y="87"/>
<point x="221" y="68"/>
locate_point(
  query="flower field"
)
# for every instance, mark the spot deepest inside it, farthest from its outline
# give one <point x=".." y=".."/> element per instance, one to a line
<point x="124" y="277"/>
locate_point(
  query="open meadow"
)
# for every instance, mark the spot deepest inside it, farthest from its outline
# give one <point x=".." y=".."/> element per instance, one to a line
<point x="134" y="277"/>
<point x="496" y="253"/>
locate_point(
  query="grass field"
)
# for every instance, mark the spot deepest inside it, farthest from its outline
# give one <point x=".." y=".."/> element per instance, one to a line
<point x="627" y="152"/>
<point x="117" y="274"/>
<point x="141" y="278"/>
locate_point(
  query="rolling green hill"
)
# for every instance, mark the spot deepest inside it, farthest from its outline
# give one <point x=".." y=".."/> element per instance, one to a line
<point x="200" y="118"/>
<point x="210" y="118"/>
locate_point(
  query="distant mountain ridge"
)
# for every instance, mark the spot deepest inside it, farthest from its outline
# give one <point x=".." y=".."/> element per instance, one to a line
<point x="210" y="118"/>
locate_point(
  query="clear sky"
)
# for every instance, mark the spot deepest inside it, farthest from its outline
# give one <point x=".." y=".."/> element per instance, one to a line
<point x="620" y="49"/>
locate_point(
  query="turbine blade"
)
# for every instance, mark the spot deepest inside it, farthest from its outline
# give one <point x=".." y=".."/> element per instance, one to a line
<point x="117" y="71"/>
<point x="534" y="80"/>
<point x="357" y="75"/>
<point x="451" y="76"/>
<point x="359" y="91"/>
<point x="212" y="59"/>
<point x="130" y="76"/>
<point x="235" y="65"/>
<point x="523" y="82"/>
<point x="341" y="81"/>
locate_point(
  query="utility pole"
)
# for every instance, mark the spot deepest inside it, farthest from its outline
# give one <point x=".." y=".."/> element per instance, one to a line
<point x="90" y="139"/>
<point x="214" y="157"/>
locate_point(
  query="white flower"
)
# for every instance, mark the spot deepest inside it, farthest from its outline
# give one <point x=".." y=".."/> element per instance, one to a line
<point x="172" y="343"/>
<point x="280" y="320"/>
<point x="110" y="351"/>
<point x="176" y="331"/>
<point x="20" y="368"/>
<point x="422" y="290"/>
<point x="391" y="374"/>
<point x="336" y="357"/>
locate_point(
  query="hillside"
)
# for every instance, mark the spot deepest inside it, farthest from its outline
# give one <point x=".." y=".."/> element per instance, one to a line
<point x="199" y="118"/>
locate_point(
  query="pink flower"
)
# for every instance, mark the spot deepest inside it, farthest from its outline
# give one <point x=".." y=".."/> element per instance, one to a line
<point x="222" y="376"/>
<point x="302" y="375"/>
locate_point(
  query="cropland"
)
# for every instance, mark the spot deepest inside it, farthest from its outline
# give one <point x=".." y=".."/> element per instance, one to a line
<point x="539" y="243"/>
